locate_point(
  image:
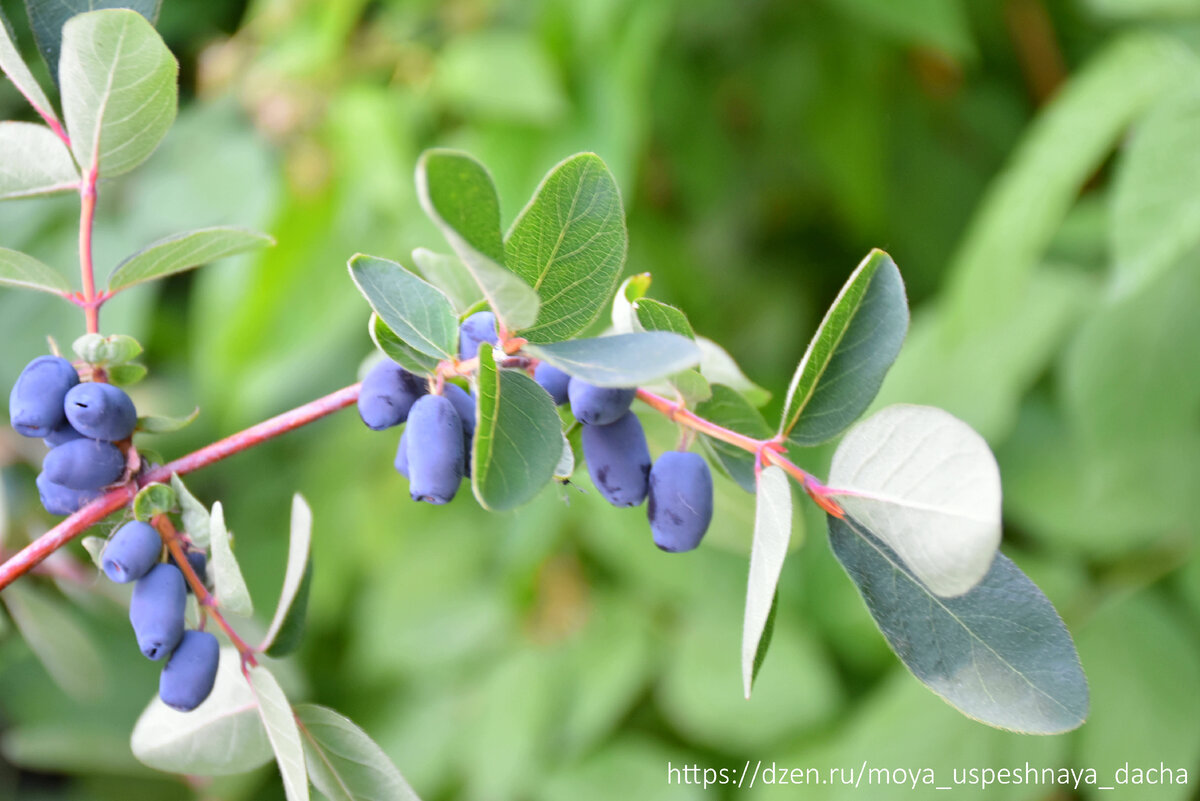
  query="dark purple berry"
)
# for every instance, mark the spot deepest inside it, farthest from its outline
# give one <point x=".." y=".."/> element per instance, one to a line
<point x="553" y="380"/>
<point x="101" y="411"/>
<point x="435" y="450"/>
<point x="618" y="460"/>
<point x="156" y="610"/>
<point x="598" y="406"/>
<point x="131" y="552"/>
<point x="84" y="464"/>
<point x="36" y="402"/>
<point x="680" y="505"/>
<point x="188" y="677"/>
<point x="388" y="392"/>
<point x="479" y="327"/>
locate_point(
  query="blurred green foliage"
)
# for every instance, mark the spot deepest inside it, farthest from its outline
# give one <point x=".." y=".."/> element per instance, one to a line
<point x="1016" y="158"/>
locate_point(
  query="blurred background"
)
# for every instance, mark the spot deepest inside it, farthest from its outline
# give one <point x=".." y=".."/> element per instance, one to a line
<point x="1032" y="166"/>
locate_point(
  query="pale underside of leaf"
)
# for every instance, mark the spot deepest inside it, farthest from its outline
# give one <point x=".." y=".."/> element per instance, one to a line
<point x="344" y="763"/>
<point x="282" y="731"/>
<point x="12" y="65"/>
<point x="772" y="532"/>
<point x="299" y="545"/>
<point x="185" y="251"/>
<point x="621" y="360"/>
<point x="230" y="587"/>
<point x="26" y="272"/>
<point x="35" y="161"/>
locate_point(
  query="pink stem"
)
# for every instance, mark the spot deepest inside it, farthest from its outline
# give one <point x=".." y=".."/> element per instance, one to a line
<point x="87" y="218"/>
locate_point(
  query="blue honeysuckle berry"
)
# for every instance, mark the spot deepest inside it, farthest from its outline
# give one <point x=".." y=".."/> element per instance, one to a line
<point x="464" y="404"/>
<point x="101" y="411"/>
<point x="387" y="394"/>
<point x="60" y="500"/>
<point x="131" y="552"/>
<point x="598" y="406"/>
<point x="401" y="462"/>
<point x="190" y="673"/>
<point x="552" y="380"/>
<point x="479" y="327"/>
<point x="62" y="435"/>
<point x="199" y="563"/>
<point x="35" y="404"/>
<point x="156" y="610"/>
<point x="680" y="504"/>
<point x="435" y="450"/>
<point x="618" y="460"/>
<point x="84" y="464"/>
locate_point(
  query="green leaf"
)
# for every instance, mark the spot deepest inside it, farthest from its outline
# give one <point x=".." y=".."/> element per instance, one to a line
<point x="152" y="500"/>
<point x="47" y="18"/>
<point x="999" y="653"/>
<point x="718" y="367"/>
<point x="731" y="410"/>
<point x="282" y="731"/>
<point x="56" y="638"/>
<point x="566" y="462"/>
<point x="151" y="424"/>
<point x="287" y="627"/>
<point x="398" y="350"/>
<point x="124" y="375"/>
<point x="624" y="318"/>
<point x="26" y="272"/>
<point x="772" y="531"/>
<point x="457" y="193"/>
<point x="344" y="763"/>
<point x="228" y="585"/>
<point x="448" y="274"/>
<point x="764" y="642"/>
<point x="118" y="88"/>
<point x="95" y="548"/>
<point x="222" y="736"/>
<point x="1060" y="152"/>
<point x="12" y="65"/>
<point x="849" y="355"/>
<point x="518" y="442"/>
<point x="185" y="251"/>
<point x="196" y="520"/>
<point x="417" y="312"/>
<point x="1155" y="206"/>
<point x="569" y="243"/>
<point x="928" y="486"/>
<point x="621" y="360"/>
<point x="36" y="162"/>
<point x="103" y="351"/>
<point x="654" y="315"/>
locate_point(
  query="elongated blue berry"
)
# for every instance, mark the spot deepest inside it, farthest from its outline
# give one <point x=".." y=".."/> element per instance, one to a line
<point x="435" y="450"/>
<point x="61" y="435"/>
<point x="84" y="464"/>
<point x="464" y="404"/>
<point x="199" y="563"/>
<point x="35" y="404"/>
<point x="680" y="505"/>
<point x="387" y="394"/>
<point x="131" y="552"/>
<point x="156" y="610"/>
<point x="60" y="500"/>
<point x="189" y="675"/>
<point x="401" y="463"/>
<point x="618" y="460"/>
<point x="598" y="406"/>
<point x="553" y="380"/>
<point x="479" y="327"/>
<point x="101" y="411"/>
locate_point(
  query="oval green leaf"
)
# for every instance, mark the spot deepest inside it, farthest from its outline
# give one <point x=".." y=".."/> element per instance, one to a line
<point x="417" y="312"/>
<point x="730" y="409"/>
<point x="184" y="251"/>
<point x="152" y="500"/>
<point x="156" y="424"/>
<point x="999" y="654"/>
<point x="398" y="350"/>
<point x="344" y="763"/>
<point x="287" y="627"/>
<point x="621" y="360"/>
<point x="850" y="354"/>
<point x="222" y="736"/>
<point x="118" y="88"/>
<point x="282" y="731"/>
<point x="47" y="18"/>
<point x="772" y="532"/>
<point x="518" y="440"/>
<point x="569" y="244"/>
<point x="35" y="162"/>
<point x="19" y="270"/>
<point x="457" y="193"/>
<point x="928" y="486"/>
<point x="448" y="274"/>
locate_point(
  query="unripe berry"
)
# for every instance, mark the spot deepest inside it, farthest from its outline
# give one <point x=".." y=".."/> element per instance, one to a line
<point x="435" y="450"/>
<point x="84" y="464"/>
<point x="35" y="404"/>
<point x="101" y="411"/>
<point x="598" y="406"/>
<point x="131" y="552"/>
<point x="553" y="380"/>
<point x="60" y="500"/>
<point x="189" y="675"/>
<point x="479" y="327"/>
<point x="618" y="460"/>
<point x="387" y="394"/>
<point x="156" y="610"/>
<point x="680" y="505"/>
